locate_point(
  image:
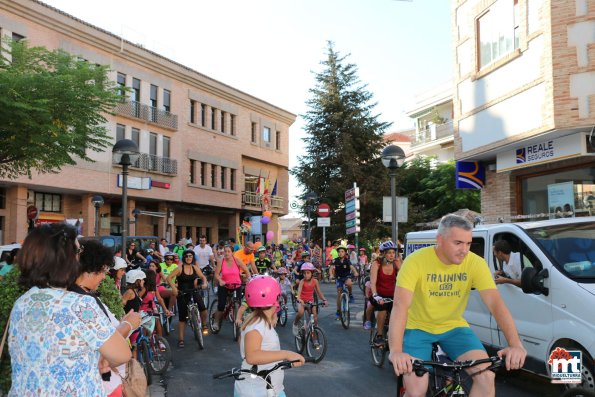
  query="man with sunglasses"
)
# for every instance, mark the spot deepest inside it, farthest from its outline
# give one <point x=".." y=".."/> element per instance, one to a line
<point x="246" y="255"/>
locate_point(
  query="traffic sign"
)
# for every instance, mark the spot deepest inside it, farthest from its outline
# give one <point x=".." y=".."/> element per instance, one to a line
<point x="353" y="230"/>
<point x="32" y="212"/>
<point x="350" y="215"/>
<point x="323" y="222"/>
<point x="324" y="210"/>
<point x="350" y="223"/>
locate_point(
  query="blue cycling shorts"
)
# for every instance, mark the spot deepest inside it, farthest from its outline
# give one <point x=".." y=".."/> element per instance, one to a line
<point x="339" y="282"/>
<point x="455" y="342"/>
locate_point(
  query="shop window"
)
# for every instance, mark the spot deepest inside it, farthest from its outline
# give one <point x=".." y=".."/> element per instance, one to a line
<point x="48" y="202"/>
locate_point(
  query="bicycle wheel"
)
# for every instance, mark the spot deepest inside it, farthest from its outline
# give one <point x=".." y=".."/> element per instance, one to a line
<point x="144" y="358"/>
<point x="234" y="313"/>
<point x="345" y="317"/>
<point x="578" y="392"/>
<point x="378" y="352"/>
<point x="294" y="303"/>
<point x="283" y="316"/>
<point x="206" y="297"/>
<point x="299" y="341"/>
<point x="212" y="311"/>
<point x="164" y="322"/>
<point x="196" y="326"/>
<point x="316" y="344"/>
<point x="161" y="354"/>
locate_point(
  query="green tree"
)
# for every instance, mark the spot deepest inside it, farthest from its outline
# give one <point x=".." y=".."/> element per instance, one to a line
<point x="343" y="143"/>
<point x="52" y="107"/>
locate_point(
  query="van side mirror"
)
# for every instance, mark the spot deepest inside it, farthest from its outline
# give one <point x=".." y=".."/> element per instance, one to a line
<point x="532" y="281"/>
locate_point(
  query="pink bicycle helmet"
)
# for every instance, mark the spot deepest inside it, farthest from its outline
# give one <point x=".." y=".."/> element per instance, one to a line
<point x="307" y="266"/>
<point x="263" y="291"/>
<point x="282" y="270"/>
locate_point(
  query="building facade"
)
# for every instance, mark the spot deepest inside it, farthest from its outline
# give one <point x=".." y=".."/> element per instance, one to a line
<point x="524" y="89"/>
<point x="208" y="150"/>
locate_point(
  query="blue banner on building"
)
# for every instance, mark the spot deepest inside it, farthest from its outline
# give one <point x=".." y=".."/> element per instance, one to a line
<point x="470" y="175"/>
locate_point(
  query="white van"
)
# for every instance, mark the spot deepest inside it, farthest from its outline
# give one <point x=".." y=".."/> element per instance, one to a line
<point x="556" y="305"/>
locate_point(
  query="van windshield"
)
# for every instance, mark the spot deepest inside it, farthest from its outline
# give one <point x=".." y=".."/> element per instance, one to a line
<point x="572" y="247"/>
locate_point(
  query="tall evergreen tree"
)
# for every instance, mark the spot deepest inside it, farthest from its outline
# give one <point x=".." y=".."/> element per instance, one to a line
<point x="343" y="143"/>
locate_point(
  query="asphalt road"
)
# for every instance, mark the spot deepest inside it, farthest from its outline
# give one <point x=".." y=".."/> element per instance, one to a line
<point x="347" y="369"/>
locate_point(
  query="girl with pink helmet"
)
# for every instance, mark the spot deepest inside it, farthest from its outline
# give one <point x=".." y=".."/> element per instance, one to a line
<point x="305" y="295"/>
<point x="259" y="342"/>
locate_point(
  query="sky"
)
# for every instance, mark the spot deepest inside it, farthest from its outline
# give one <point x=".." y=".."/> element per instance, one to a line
<point x="270" y="49"/>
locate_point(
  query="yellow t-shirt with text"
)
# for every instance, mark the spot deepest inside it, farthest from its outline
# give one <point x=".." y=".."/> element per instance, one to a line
<point x="441" y="292"/>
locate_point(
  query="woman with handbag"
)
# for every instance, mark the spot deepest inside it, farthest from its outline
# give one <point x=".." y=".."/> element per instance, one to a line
<point x="56" y="337"/>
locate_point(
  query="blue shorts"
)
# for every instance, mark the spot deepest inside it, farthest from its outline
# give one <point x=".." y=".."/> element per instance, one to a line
<point x="455" y="342"/>
<point x="339" y="282"/>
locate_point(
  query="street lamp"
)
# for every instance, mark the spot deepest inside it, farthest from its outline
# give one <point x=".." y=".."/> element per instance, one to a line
<point x="97" y="201"/>
<point x="392" y="158"/>
<point x="125" y="153"/>
<point x="311" y="198"/>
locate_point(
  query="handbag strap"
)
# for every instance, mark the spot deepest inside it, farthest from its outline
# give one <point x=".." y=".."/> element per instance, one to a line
<point x="4" y="338"/>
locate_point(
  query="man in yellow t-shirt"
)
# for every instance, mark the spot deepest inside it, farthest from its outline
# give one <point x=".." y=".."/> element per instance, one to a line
<point x="433" y="287"/>
<point x="246" y="255"/>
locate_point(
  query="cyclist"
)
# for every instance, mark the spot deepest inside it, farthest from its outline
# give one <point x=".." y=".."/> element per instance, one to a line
<point x="227" y="272"/>
<point x="149" y="294"/>
<point x="259" y="342"/>
<point x="204" y="254"/>
<point x="263" y="264"/>
<point x="433" y="288"/>
<point x="305" y="295"/>
<point x="187" y="276"/>
<point x="178" y="249"/>
<point x="246" y="256"/>
<point x="342" y="270"/>
<point x="382" y="284"/>
<point x="297" y="268"/>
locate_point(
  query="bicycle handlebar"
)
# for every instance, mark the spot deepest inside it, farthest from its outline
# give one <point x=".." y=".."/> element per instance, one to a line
<point x="419" y="366"/>
<point x="237" y="372"/>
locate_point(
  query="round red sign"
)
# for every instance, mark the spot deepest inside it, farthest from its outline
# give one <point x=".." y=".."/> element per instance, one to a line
<point x="31" y="212"/>
<point x="324" y="210"/>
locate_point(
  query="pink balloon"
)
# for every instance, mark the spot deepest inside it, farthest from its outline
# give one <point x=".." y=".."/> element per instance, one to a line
<point x="265" y="220"/>
<point x="270" y="235"/>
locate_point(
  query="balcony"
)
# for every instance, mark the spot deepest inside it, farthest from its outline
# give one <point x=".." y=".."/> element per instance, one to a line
<point x="152" y="163"/>
<point x="253" y="199"/>
<point x="433" y="133"/>
<point x="148" y="113"/>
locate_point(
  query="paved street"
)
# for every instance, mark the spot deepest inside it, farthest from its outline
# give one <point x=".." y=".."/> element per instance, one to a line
<point x="346" y="370"/>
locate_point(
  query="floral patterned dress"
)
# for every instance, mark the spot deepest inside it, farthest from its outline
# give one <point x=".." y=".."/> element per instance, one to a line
<point x="54" y="341"/>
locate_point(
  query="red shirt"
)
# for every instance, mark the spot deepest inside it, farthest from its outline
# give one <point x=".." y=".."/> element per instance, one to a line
<point x="385" y="283"/>
<point x="307" y="294"/>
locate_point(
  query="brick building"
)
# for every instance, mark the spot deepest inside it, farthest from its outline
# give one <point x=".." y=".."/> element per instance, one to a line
<point x="524" y="90"/>
<point x="207" y="148"/>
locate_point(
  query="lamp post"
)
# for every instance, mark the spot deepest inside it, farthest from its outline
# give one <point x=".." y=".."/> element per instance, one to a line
<point x="125" y="153"/>
<point x="97" y="201"/>
<point x="311" y="197"/>
<point x="392" y="158"/>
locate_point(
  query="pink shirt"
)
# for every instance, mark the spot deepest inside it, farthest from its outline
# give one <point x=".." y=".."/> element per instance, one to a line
<point x="230" y="274"/>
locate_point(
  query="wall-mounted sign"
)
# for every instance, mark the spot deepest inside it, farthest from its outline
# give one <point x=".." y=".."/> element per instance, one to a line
<point x="470" y="175"/>
<point x="545" y="151"/>
<point x="134" y="182"/>
<point x="162" y="185"/>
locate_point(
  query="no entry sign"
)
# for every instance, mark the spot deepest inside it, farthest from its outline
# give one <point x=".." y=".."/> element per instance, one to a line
<point x="324" y="210"/>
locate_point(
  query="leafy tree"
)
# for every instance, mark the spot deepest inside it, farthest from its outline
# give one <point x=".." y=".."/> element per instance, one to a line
<point x="343" y="143"/>
<point x="52" y="108"/>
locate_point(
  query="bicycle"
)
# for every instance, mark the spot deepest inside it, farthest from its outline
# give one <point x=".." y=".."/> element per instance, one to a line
<point x="282" y="315"/>
<point x="194" y="318"/>
<point x="264" y="374"/>
<point x="164" y="319"/>
<point x="344" y="306"/>
<point x="153" y="351"/>
<point x="379" y="350"/>
<point x="311" y="336"/>
<point x="231" y="309"/>
<point x="446" y="377"/>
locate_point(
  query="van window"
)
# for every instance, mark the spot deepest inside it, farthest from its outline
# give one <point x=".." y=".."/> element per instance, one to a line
<point x="571" y="248"/>
<point x="529" y="259"/>
<point x="478" y="246"/>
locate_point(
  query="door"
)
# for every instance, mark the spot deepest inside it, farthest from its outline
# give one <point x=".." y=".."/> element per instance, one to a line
<point x="532" y="313"/>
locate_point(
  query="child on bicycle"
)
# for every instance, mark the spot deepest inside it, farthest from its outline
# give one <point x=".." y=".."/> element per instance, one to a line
<point x="305" y="295"/>
<point x="259" y="342"/>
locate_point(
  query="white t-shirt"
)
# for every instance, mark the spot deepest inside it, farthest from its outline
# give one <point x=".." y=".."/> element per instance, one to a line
<point x="203" y="255"/>
<point x="513" y="267"/>
<point x="162" y="249"/>
<point x="256" y="387"/>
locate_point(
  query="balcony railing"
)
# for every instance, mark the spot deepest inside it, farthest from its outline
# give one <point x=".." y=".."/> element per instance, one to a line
<point x="253" y="199"/>
<point x="148" y="113"/>
<point x="433" y="133"/>
<point x="154" y="163"/>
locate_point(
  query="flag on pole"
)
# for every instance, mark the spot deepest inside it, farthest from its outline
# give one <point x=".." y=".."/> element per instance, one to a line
<point x="258" y="183"/>
<point x="267" y="184"/>
<point x="274" y="192"/>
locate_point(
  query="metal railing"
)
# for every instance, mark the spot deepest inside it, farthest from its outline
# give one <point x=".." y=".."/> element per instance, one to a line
<point x="150" y="162"/>
<point x="253" y="199"/>
<point x="432" y="133"/>
<point x="148" y="113"/>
